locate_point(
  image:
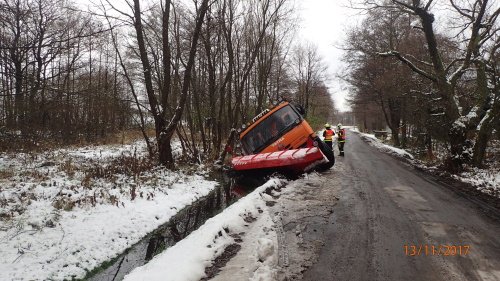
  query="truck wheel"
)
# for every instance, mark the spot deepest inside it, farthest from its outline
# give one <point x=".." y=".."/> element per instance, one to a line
<point x="325" y="149"/>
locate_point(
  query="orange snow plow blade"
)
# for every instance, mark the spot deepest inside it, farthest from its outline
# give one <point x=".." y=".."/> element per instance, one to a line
<point x="294" y="160"/>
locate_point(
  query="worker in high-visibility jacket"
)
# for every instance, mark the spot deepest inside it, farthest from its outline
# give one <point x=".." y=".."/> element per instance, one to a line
<point x="328" y="134"/>
<point x="341" y="138"/>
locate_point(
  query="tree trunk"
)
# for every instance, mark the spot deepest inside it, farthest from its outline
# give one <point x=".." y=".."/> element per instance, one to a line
<point x="166" y="134"/>
<point x="486" y="129"/>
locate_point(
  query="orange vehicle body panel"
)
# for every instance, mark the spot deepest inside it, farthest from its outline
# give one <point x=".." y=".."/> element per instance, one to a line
<point x="293" y="139"/>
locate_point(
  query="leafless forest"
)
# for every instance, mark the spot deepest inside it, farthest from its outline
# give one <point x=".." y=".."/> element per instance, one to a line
<point x="197" y="70"/>
<point x="434" y="83"/>
<point x="191" y="71"/>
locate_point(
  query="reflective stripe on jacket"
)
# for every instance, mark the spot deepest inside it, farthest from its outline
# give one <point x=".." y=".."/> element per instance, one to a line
<point x="328" y="134"/>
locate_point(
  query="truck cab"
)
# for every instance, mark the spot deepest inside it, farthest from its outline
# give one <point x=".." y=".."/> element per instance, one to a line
<point x="280" y="139"/>
<point x="279" y="128"/>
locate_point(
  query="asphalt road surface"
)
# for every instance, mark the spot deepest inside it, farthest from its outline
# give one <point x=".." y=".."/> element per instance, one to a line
<point x="390" y="222"/>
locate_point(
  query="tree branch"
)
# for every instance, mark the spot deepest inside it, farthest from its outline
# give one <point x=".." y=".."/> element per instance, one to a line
<point x="409" y="64"/>
<point x="461" y="11"/>
<point x="472" y="45"/>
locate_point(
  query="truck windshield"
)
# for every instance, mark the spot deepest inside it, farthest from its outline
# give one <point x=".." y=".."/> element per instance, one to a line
<point x="269" y="130"/>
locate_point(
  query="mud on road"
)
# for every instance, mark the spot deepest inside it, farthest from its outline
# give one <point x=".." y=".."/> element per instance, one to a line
<point x="301" y="216"/>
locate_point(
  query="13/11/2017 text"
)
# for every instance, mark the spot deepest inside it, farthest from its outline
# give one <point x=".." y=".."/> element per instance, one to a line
<point x="436" y="250"/>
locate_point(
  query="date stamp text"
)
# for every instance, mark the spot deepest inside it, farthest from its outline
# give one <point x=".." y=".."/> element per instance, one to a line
<point x="436" y="250"/>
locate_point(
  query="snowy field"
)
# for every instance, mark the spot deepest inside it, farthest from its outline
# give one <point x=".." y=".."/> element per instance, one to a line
<point x="65" y="212"/>
<point x="487" y="181"/>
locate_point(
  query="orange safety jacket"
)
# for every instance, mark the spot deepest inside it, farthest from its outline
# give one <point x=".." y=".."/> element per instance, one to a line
<point x="328" y="134"/>
<point x="342" y="135"/>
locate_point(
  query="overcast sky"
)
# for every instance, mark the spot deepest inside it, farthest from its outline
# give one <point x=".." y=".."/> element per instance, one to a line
<point x="324" y="23"/>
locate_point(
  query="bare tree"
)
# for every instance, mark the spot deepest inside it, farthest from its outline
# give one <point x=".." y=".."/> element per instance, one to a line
<point x="46" y="90"/>
<point x="480" y="19"/>
<point x="166" y="128"/>
<point x="309" y="72"/>
<point x="386" y="84"/>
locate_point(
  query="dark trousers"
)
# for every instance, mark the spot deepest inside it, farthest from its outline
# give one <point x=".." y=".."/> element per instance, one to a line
<point x="330" y="144"/>
<point x="341" y="147"/>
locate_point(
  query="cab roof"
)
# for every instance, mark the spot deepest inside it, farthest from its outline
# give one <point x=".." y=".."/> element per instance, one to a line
<point x="262" y="116"/>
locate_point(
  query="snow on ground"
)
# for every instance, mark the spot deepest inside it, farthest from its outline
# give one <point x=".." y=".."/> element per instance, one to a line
<point x="247" y="219"/>
<point x="485" y="180"/>
<point x="65" y="212"/>
<point x="274" y="248"/>
<point x="371" y="139"/>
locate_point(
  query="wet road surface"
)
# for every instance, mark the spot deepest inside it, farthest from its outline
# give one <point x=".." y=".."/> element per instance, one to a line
<point x="389" y="222"/>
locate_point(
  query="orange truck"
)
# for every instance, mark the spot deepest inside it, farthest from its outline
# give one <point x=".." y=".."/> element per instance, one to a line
<point x="280" y="139"/>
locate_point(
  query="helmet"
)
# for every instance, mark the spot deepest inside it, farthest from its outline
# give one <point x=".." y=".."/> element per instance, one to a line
<point x="339" y="125"/>
<point x="327" y="125"/>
